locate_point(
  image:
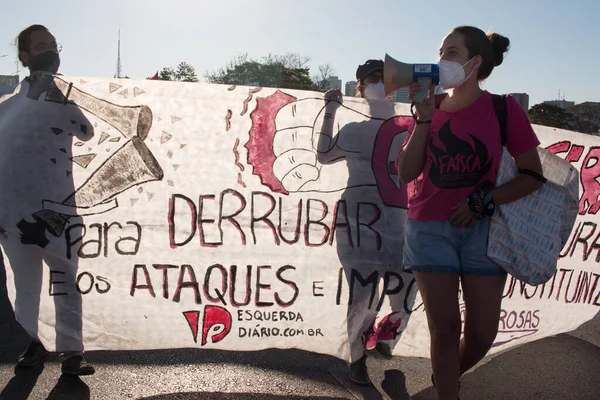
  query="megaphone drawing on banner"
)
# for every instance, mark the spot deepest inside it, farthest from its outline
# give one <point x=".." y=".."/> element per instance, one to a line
<point x="397" y="75"/>
<point x="132" y="164"/>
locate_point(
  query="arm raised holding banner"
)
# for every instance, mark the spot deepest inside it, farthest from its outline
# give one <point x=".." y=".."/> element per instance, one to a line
<point x="324" y="138"/>
<point x="304" y="145"/>
<point x="312" y="138"/>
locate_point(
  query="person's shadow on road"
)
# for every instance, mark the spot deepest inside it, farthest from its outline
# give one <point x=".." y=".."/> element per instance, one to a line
<point x="21" y="385"/>
<point x="71" y="388"/>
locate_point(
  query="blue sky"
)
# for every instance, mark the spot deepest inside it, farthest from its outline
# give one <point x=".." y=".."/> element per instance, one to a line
<point x="554" y="46"/>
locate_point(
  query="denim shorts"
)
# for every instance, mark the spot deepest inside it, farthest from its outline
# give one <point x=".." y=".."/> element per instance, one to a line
<point x="438" y="246"/>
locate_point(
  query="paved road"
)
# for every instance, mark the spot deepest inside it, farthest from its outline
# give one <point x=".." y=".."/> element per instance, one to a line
<point x="566" y="366"/>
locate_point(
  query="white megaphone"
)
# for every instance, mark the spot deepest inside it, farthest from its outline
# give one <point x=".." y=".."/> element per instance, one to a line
<point x="397" y="75"/>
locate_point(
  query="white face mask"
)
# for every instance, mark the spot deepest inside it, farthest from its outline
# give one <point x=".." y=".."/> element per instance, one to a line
<point x="452" y="74"/>
<point x="375" y="91"/>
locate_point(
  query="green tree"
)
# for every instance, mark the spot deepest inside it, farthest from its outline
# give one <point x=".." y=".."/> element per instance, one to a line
<point x="184" y="73"/>
<point x="585" y="118"/>
<point x="583" y="125"/>
<point x="166" y="74"/>
<point x="290" y="71"/>
<point x="549" y="115"/>
<point x="296" y="78"/>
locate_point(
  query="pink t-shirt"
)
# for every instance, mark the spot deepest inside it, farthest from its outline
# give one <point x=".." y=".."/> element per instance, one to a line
<point x="463" y="151"/>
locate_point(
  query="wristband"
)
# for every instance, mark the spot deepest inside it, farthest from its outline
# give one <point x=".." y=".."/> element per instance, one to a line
<point x="481" y="201"/>
<point x="417" y="120"/>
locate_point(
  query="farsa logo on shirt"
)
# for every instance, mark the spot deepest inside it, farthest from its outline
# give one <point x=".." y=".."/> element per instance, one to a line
<point x="461" y="164"/>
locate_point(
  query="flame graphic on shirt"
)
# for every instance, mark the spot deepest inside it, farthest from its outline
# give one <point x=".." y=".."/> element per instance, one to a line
<point x="460" y="164"/>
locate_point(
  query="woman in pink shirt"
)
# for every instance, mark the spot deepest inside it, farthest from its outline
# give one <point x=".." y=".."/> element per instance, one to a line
<point x="450" y="161"/>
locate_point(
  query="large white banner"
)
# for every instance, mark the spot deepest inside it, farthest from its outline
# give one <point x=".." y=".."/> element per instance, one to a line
<point x="147" y="215"/>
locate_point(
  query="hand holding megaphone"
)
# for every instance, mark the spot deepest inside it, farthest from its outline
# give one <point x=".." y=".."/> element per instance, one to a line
<point x="426" y="107"/>
<point x="397" y="75"/>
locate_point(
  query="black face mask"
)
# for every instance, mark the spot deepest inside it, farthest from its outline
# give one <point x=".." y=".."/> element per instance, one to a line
<point x="48" y="61"/>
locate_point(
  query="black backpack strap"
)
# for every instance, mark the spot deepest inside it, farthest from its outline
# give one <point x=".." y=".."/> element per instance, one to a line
<point x="499" y="102"/>
<point x="501" y="112"/>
